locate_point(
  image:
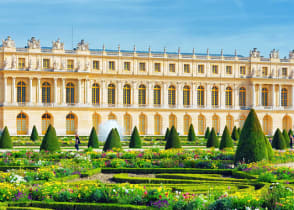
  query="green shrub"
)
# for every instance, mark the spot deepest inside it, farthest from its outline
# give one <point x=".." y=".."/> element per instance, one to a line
<point x="173" y="140"/>
<point x="112" y="141"/>
<point x="286" y="138"/>
<point x="135" y="141"/>
<point x="290" y="132"/>
<point x="207" y="133"/>
<point x="34" y="134"/>
<point x="270" y="152"/>
<point x="93" y="139"/>
<point x="235" y="134"/>
<point x="279" y="140"/>
<point x="252" y="146"/>
<point x="267" y="177"/>
<point x="212" y="140"/>
<point x="166" y="134"/>
<point x="50" y="141"/>
<point x="226" y="141"/>
<point x="239" y="131"/>
<point x="191" y="134"/>
<point x="5" y="140"/>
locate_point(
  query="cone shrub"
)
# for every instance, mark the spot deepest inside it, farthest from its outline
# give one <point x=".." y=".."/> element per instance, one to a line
<point x="239" y="131"/>
<point x="50" y="141"/>
<point x="252" y="146"/>
<point x="5" y="139"/>
<point x="226" y="141"/>
<point x="270" y="151"/>
<point x="212" y="140"/>
<point x="207" y="133"/>
<point x="235" y="134"/>
<point x="286" y="138"/>
<point x="34" y="134"/>
<point x="166" y="134"/>
<point x="173" y="140"/>
<point x="191" y="134"/>
<point x="135" y="141"/>
<point x="112" y="141"/>
<point x="279" y="140"/>
<point x="290" y="132"/>
<point x="93" y="139"/>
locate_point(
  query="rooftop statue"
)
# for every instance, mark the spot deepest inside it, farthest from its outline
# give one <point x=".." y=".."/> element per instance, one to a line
<point x="83" y="46"/>
<point x="57" y="45"/>
<point x="34" y="44"/>
<point x="8" y="42"/>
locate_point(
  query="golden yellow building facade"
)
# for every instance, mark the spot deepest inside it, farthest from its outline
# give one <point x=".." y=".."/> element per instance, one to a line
<point x="76" y="89"/>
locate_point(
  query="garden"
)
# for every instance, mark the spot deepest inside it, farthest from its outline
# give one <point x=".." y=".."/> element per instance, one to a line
<point x="238" y="170"/>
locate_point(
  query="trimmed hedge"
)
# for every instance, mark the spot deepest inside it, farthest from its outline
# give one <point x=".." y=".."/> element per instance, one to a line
<point x="166" y="134"/>
<point x="226" y="141"/>
<point x="34" y="135"/>
<point x="135" y="141"/>
<point x="5" y="168"/>
<point x="235" y="134"/>
<point x="93" y="139"/>
<point x="279" y="140"/>
<point x="173" y="140"/>
<point x="50" y="141"/>
<point x="212" y="140"/>
<point x="286" y="138"/>
<point x="207" y="133"/>
<point x="91" y="172"/>
<point x="191" y="134"/>
<point x="5" y="139"/>
<point x="112" y="141"/>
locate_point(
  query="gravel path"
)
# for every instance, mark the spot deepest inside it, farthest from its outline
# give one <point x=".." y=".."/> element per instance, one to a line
<point x="290" y="165"/>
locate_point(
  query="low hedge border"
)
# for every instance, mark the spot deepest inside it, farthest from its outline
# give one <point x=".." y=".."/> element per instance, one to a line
<point x="91" y="172"/>
<point x="5" y="168"/>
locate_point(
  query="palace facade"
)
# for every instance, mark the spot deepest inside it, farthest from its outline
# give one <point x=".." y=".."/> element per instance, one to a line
<point x="76" y="89"/>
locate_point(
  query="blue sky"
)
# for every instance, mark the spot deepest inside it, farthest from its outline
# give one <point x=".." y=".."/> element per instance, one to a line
<point x="199" y="24"/>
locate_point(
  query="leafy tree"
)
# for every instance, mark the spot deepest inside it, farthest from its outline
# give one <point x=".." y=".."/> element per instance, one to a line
<point x="135" y="141"/>
<point x="34" y="134"/>
<point x="235" y="134"/>
<point x="166" y="134"/>
<point x="191" y="134"/>
<point x="173" y="140"/>
<point x="93" y="139"/>
<point x="207" y="133"/>
<point x="112" y="141"/>
<point x="5" y="139"/>
<point x="286" y="138"/>
<point x="226" y="141"/>
<point x="279" y="140"/>
<point x="212" y="140"/>
<point x="50" y="141"/>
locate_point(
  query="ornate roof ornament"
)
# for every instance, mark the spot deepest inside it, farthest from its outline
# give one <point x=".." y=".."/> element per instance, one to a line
<point x="274" y="54"/>
<point x="291" y="54"/>
<point x="57" y="45"/>
<point x="8" y="42"/>
<point x="254" y="53"/>
<point x="34" y="44"/>
<point x="83" y="46"/>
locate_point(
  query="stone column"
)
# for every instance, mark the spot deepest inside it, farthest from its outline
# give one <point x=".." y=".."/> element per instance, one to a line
<point x="208" y="96"/>
<point x="280" y="96"/>
<point x="165" y="95"/>
<point x="39" y="91"/>
<point x="104" y="99"/>
<point x="179" y="95"/>
<point x="119" y="94"/>
<point x="149" y="99"/>
<point x="31" y="90"/>
<point x="260" y="95"/>
<point x="194" y="95"/>
<point x="253" y="96"/>
<point x="4" y="91"/>
<point x="63" y="92"/>
<point x="55" y="91"/>
<point x="13" y="94"/>
<point x="222" y="97"/>
<point x="135" y="94"/>
<point x="79" y="101"/>
<point x="273" y="96"/>
<point x="236" y="97"/>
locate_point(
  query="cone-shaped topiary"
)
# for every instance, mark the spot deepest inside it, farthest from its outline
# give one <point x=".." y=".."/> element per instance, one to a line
<point x="286" y="138"/>
<point x="212" y="140"/>
<point x="34" y="134"/>
<point x="173" y="140"/>
<point x="290" y="132"/>
<point x="191" y="134"/>
<point x="166" y="134"/>
<point x="5" y="139"/>
<point x="270" y="151"/>
<point x="235" y="134"/>
<point x="50" y="141"/>
<point x="279" y="140"/>
<point x="93" y="139"/>
<point x="135" y="141"/>
<point x="226" y="141"/>
<point x="239" y="131"/>
<point x="207" y="133"/>
<point x="252" y="146"/>
<point x="112" y="141"/>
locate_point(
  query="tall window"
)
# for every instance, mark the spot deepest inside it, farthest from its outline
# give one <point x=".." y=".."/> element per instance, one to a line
<point x="214" y="96"/>
<point x="111" y="94"/>
<point x="70" y="64"/>
<point x="201" y="68"/>
<point x="142" y="94"/>
<point x="200" y="96"/>
<point x="142" y="124"/>
<point x="46" y="92"/>
<point x="228" y="69"/>
<point x="96" y="121"/>
<point x="46" y="63"/>
<point x="157" y="124"/>
<point x="21" y="124"/>
<point x="142" y="66"/>
<point x="264" y="100"/>
<point x="287" y="122"/>
<point x="172" y="121"/>
<point x="267" y="125"/>
<point x="96" y="65"/>
<point x="21" y="92"/>
<point x="127" y="94"/>
<point x="111" y="65"/>
<point x="284" y="97"/>
<point x="187" y="123"/>
<point x="70" y="93"/>
<point x="215" y="69"/>
<point x="172" y="67"/>
<point x="95" y="94"/>
<point x="201" y="124"/>
<point x="157" y="95"/>
<point x="284" y="72"/>
<point x="127" y="124"/>
<point x="264" y="71"/>
<point x="157" y="67"/>
<point x="242" y="121"/>
<point x="242" y="70"/>
<point x="228" y="96"/>
<point x="215" y="123"/>
<point x="46" y="121"/>
<point x="70" y="124"/>
<point x="127" y="66"/>
<point x="230" y="123"/>
<point x="21" y="63"/>
<point x="171" y="95"/>
<point x="186" y="95"/>
<point x="242" y="96"/>
<point x="186" y="68"/>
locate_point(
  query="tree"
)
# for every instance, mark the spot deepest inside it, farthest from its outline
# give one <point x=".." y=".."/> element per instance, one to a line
<point x="93" y="139"/>
<point x="239" y="131"/>
<point x="235" y="134"/>
<point x="135" y="141"/>
<point x="112" y="141"/>
<point x="279" y="140"/>
<point x="191" y="134"/>
<point x="226" y="141"/>
<point x="5" y="139"/>
<point x="286" y="138"/>
<point x="34" y="134"/>
<point x="166" y="134"/>
<point x="173" y="140"/>
<point x="290" y="132"/>
<point x="50" y="141"/>
<point x="212" y="140"/>
<point x="207" y="133"/>
<point x="252" y="145"/>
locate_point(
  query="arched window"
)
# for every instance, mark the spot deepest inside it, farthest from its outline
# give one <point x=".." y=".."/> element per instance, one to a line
<point x="287" y="122"/>
<point x="186" y="95"/>
<point x="172" y="121"/>
<point x="201" y="124"/>
<point x="127" y="94"/>
<point x="22" y="124"/>
<point x="111" y="116"/>
<point x="71" y="124"/>
<point x="242" y="96"/>
<point x="142" y="124"/>
<point x="284" y="97"/>
<point x="96" y="121"/>
<point x="70" y="93"/>
<point x="267" y="125"/>
<point x="111" y="94"/>
<point x="157" y="95"/>
<point x="264" y="97"/>
<point x="187" y="123"/>
<point x="157" y="124"/>
<point x="230" y="123"/>
<point x="229" y="96"/>
<point x="171" y="95"/>
<point x="200" y="96"/>
<point x="242" y="121"/>
<point x="21" y="92"/>
<point x="46" y="121"/>
<point x="142" y="95"/>
<point x="215" y="123"/>
<point x="95" y="94"/>
<point x="214" y="96"/>
<point x="127" y="124"/>
<point x="46" y="92"/>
